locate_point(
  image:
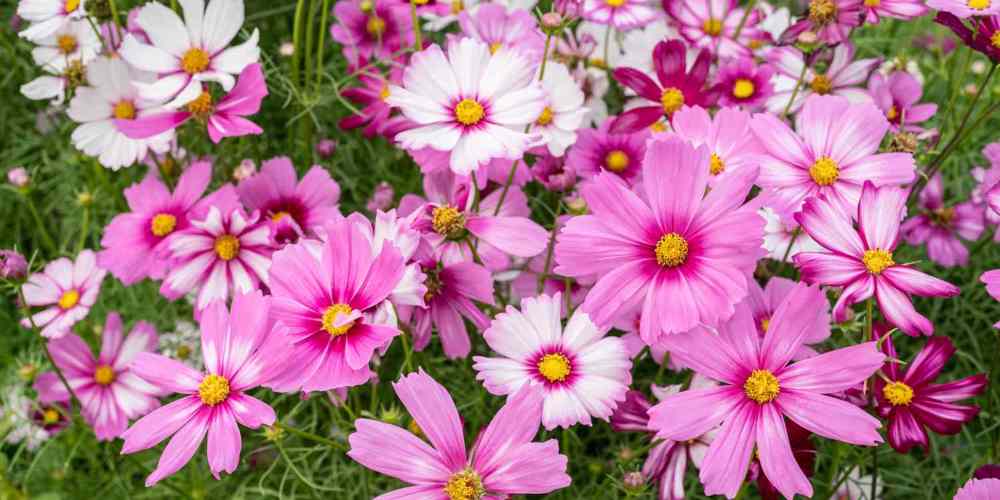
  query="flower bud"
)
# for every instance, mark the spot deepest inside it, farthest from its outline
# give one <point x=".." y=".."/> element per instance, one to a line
<point x="12" y="265"/>
<point x="244" y="170"/>
<point x="18" y="177"/>
<point x="551" y="22"/>
<point x="326" y="147"/>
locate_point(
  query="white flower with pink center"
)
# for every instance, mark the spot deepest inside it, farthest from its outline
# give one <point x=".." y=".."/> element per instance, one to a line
<point x="48" y="16"/>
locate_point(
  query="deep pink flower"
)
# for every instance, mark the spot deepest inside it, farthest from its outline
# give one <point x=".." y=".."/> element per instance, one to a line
<point x="599" y="150"/>
<point x="13" y="265"/>
<point x="897" y="96"/>
<point x="451" y="290"/>
<point x="979" y="36"/>
<point x="293" y="210"/>
<point x="371" y="29"/>
<point x="110" y="393"/>
<point x="831" y="20"/>
<point x="135" y="243"/>
<point x="861" y="260"/>
<point x="844" y="77"/>
<point x="240" y="352"/>
<point x="680" y="255"/>
<point x="711" y="24"/>
<point x="623" y="15"/>
<point x="742" y="83"/>
<point x="912" y="404"/>
<point x="677" y="86"/>
<point x="895" y="9"/>
<point x="375" y="114"/>
<point x="992" y="281"/>
<point x="504" y="29"/>
<point x="940" y="226"/>
<point x="67" y="288"/>
<point x="833" y="153"/>
<point x="760" y="388"/>
<point x="503" y="459"/>
<point x="728" y="137"/>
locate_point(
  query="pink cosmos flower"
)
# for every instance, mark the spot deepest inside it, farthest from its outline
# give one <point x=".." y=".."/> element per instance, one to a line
<point x="978" y="36"/>
<point x="503" y="459"/>
<point x="504" y="29"/>
<point x="844" y="77"/>
<point x="742" y="83"/>
<point x="895" y="9"/>
<point x="992" y="281"/>
<point x="712" y="24"/>
<point x="782" y="237"/>
<point x="564" y="112"/>
<point x="583" y="373"/>
<point x="222" y="119"/>
<point x="136" y="242"/>
<point x="965" y="8"/>
<point x="911" y="403"/>
<point x="293" y="210"/>
<point x="185" y="54"/>
<point x="68" y="289"/>
<point x="940" y="226"/>
<point x="623" y="15"/>
<point x="220" y="256"/>
<point x="329" y="299"/>
<point x="765" y="302"/>
<point x="476" y="107"/>
<point x="451" y="290"/>
<point x="599" y="150"/>
<point x="861" y="260"/>
<point x="831" y="20"/>
<point x="732" y="145"/>
<point x="375" y="114"/>
<point x="835" y="151"/>
<point x="110" y="393"/>
<point x="979" y="489"/>
<point x="760" y="389"/>
<point x="677" y="86"/>
<point x="897" y="96"/>
<point x="371" y="29"/>
<point x="240" y="352"/>
<point x="554" y="173"/>
<point x="679" y="254"/>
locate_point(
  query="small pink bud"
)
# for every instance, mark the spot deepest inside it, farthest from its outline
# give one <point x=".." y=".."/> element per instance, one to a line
<point x="18" y="177"/>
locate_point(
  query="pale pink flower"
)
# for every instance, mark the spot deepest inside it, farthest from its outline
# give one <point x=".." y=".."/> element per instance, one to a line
<point x="728" y="137"/>
<point x="504" y="29"/>
<point x="712" y="24"/>
<point x="765" y="302"/>
<point x="844" y="77"/>
<point x="67" y="288"/>
<point x="451" y="290"/>
<point x="979" y="489"/>
<point x="48" y="16"/>
<point x="782" y="237"/>
<point x="623" y="15"/>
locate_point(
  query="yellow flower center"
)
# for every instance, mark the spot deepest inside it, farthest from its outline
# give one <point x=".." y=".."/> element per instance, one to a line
<point x="873" y="3"/>
<point x="384" y="93"/>
<point x="658" y="126"/>
<point x="546" y="117"/>
<point x="104" y="375"/>
<point x="202" y="105"/>
<point x="465" y="485"/>
<point x="824" y="172"/>
<point x="367" y="6"/>
<point x="554" y="367"/>
<point x="978" y="4"/>
<point x="124" y="110"/>
<point x="672" y="100"/>
<point x="761" y="386"/>
<point x="375" y="26"/>
<point x="213" y="389"/>
<point x="277" y="216"/>
<point x="469" y="112"/>
<point x="227" y="247"/>
<point x="75" y="74"/>
<point x="614" y="3"/>
<point x="743" y="88"/>
<point x="163" y="224"/>
<point x="712" y="26"/>
<point x="330" y="319"/>
<point x="898" y="393"/>
<point x="671" y="250"/>
<point x="822" y="12"/>
<point x="183" y="352"/>
<point x="495" y="46"/>
<point x="892" y="113"/>
<point x="50" y="416"/>
<point x="66" y="43"/>
<point x="765" y="324"/>
<point x="877" y="260"/>
<point x="943" y="216"/>
<point x="71" y="5"/>
<point x="995" y="39"/>
<point x="448" y="221"/>
<point x="195" y="60"/>
<point x="616" y="161"/>
<point x="457" y="6"/>
<point x="821" y="85"/>
<point x="421" y="2"/>
<point x="716" y="166"/>
<point x="68" y="299"/>
<point x="598" y="63"/>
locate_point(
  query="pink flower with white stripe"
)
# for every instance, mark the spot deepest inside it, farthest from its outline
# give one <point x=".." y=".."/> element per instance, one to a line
<point x="623" y="15"/>
<point x="844" y="77"/>
<point x="110" y="393"/>
<point x="68" y="289"/>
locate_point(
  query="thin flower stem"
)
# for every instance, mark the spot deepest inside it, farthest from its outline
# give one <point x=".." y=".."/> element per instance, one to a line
<point x="46" y="238"/>
<point x="551" y="246"/>
<point x="310" y="43"/>
<point x="874" y="472"/>
<point x="117" y="20"/>
<point x="297" y="41"/>
<point x="607" y="43"/>
<point x="310" y="436"/>
<point x="84" y="230"/>
<point x="418" y="36"/>
<point x="743" y="20"/>
<point x="34" y="328"/>
<point x="407" y="352"/>
<point x="322" y="42"/>
<point x="795" y="91"/>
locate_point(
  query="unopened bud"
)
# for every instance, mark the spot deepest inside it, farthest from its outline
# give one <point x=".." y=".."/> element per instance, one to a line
<point x="634" y="481"/>
<point x="18" y="177"/>
<point x="551" y="22"/>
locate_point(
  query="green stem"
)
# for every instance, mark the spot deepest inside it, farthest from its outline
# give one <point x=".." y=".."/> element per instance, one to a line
<point x="418" y="36"/>
<point x="874" y="472"/>
<point x="324" y="19"/>
<point x="117" y="20"/>
<point x="310" y="436"/>
<point x="34" y="328"/>
<point x="549" y="251"/>
<point x="798" y="83"/>
<point x="46" y="238"/>
<point x="84" y="230"/>
<point x="297" y="41"/>
<point x="743" y="20"/>
<point x="310" y="43"/>
<point x="607" y="43"/>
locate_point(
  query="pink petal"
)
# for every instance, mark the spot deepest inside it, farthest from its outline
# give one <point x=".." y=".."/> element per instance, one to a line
<point x="432" y="408"/>
<point x="790" y="325"/>
<point x="915" y="282"/>
<point x="775" y="454"/>
<point x="675" y="177"/>
<point x="725" y="466"/>
<point x="395" y="452"/>
<point x="250" y="411"/>
<point x="182" y="446"/>
<point x="224" y="441"/>
<point x="167" y="373"/>
<point x="833" y="371"/>
<point x="905" y="431"/>
<point x="515" y="424"/>
<point x="898" y="309"/>
<point x="829" y="417"/>
<point x="691" y="413"/>
<point x="518" y="236"/>
<point x="879" y="213"/>
<point x="162" y="422"/>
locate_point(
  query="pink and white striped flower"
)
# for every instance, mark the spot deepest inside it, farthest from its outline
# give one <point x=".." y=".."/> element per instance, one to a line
<point x="68" y="289"/>
<point x="844" y="77"/>
<point x="48" y="16"/>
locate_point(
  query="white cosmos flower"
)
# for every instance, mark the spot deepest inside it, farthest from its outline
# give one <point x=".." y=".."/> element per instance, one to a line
<point x="111" y="95"/>
<point x="563" y="113"/>
<point x="48" y="16"/>
<point x="186" y="53"/>
<point x="778" y="235"/>
<point x="74" y="40"/>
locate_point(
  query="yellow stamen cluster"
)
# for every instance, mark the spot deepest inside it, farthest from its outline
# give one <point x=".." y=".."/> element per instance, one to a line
<point x="465" y="485"/>
<point x="672" y="99"/>
<point x="712" y="26"/>
<point x="877" y="260"/>
<point x="330" y="317"/>
<point x="943" y="216"/>
<point x="75" y="74"/>
<point x="367" y="6"/>
<point x="68" y="299"/>
<point x="50" y="416"/>
<point x="384" y="93"/>
<point x="469" y="112"/>
<point x="375" y="26"/>
<point x="195" y="60"/>
<point x="213" y="389"/>
<point x="202" y="105"/>
<point x="743" y="88"/>
<point x="554" y="367"/>
<point x="821" y="85"/>
<point x="545" y="118"/>
<point x="898" y="393"/>
<point x="658" y="127"/>
<point x="822" y="12"/>
<point x="457" y="6"/>
<point x="765" y="324"/>
<point x="495" y="46"/>
<point x="995" y="39"/>
<point x="277" y="216"/>
<point x="614" y="3"/>
<point x="104" y="375"/>
<point x="716" y="166"/>
<point x="978" y="4"/>
<point x="163" y="224"/>
<point x="761" y="386"/>
<point x="616" y="161"/>
<point x="448" y="222"/>
<point x="824" y="171"/>
<point x="124" y="110"/>
<point x="227" y="247"/>
<point x="872" y="3"/>
<point x="67" y="44"/>
<point x="671" y="250"/>
<point x="71" y="6"/>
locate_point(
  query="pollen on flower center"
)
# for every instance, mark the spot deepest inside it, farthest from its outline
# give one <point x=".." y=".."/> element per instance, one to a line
<point x="104" y="375"/>
<point x="824" y="171"/>
<point x="71" y="5"/>
<point x="873" y="3"/>
<point x="712" y="26"/>
<point x="877" y="260"/>
<point x="743" y="88"/>
<point x="375" y="26"/>
<point x="457" y="6"/>
<point x="330" y="316"/>
<point x="195" y="60"/>
<point x="227" y="247"/>
<point x="978" y="4"/>
<point x="448" y="221"/>
<point x="892" y="114"/>
<point x="943" y="216"/>
<point x="898" y="393"/>
<point x="163" y="224"/>
<point x="761" y="386"/>
<point x="124" y="110"/>
<point x="614" y="3"/>
<point x="50" y="416"/>
<point x="465" y="485"/>
<point x="716" y="166"/>
<point x="384" y="93"/>
<point x="554" y="367"/>
<point x="67" y="44"/>
<point x="765" y="324"/>
<point x="366" y="6"/>
<point x="546" y="117"/>
<point x="213" y="389"/>
<point x="277" y="216"/>
<point x="671" y="250"/>
<point x="202" y="105"/>
<point x="469" y="112"/>
<point x="821" y="85"/>
<point x="616" y="161"/>
<point x="995" y="39"/>
<point x="822" y="12"/>
<point x="75" y="73"/>
<point x="495" y="46"/>
<point x="68" y="299"/>
<point x="672" y="100"/>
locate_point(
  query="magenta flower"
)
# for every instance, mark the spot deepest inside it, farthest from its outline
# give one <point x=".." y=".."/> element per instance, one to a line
<point x="223" y="119"/>
<point x="110" y="393"/>
<point x="728" y="137"/>
<point x="599" y="150"/>
<point x="220" y="256"/>
<point x="293" y="210"/>
<point x="979" y="36"/>
<point x="831" y="20"/>
<point x="835" y="151"/>
<point x="451" y="290"/>
<point x="742" y="83"/>
<point x="844" y="77"/>
<point x="240" y="353"/>
<point x="371" y="29"/>
<point x="503" y="29"/>
<point x="503" y="460"/>
<point x="765" y="302"/>
<point x="623" y="15"/>
<point x="897" y="96"/>
<point x="67" y="289"/>
<point x="375" y="114"/>
<point x="940" y="226"/>
<point x="979" y="489"/>
<point x="912" y="404"/>
<point x="992" y="281"/>
<point x="861" y="260"/>
<point x="712" y="24"/>
<point x="136" y="243"/>
<point x="895" y="9"/>
<point x="13" y="265"/>
<point x="677" y="86"/>
<point x="672" y="252"/>
<point x="966" y="8"/>
<point x="760" y="389"/>
<point x="329" y="297"/>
